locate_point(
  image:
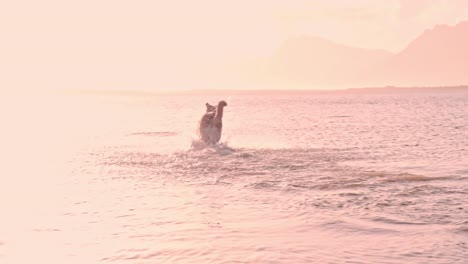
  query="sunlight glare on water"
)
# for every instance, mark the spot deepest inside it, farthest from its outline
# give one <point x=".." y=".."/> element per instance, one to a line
<point x="310" y="178"/>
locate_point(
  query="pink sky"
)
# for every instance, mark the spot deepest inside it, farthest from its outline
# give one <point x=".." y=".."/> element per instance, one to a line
<point x="160" y="44"/>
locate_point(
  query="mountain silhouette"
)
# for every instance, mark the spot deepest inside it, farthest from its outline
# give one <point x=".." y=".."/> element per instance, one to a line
<point x="437" y="57"/>
<point x="315" y="61"/>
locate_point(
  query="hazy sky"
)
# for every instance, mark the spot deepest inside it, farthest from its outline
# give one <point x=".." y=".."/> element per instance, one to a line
<point x="143" y="43"/>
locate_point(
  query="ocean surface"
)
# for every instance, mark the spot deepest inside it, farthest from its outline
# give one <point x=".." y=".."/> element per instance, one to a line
<point x="342" y="177"/>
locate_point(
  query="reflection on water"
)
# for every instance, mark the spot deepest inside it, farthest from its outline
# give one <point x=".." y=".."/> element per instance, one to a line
<point x="336" y="178"/>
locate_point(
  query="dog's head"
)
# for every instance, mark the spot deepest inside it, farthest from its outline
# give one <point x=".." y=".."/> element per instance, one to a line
<point x="210" y="108"/>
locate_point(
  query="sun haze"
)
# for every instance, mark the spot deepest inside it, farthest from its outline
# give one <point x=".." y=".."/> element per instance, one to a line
<point x="207" y="44"/>
<point x="242" y="131"/>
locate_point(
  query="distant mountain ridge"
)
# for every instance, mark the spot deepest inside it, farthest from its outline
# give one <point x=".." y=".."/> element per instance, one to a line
<point x="312" y="60"/>
<point x="437" y="57"/>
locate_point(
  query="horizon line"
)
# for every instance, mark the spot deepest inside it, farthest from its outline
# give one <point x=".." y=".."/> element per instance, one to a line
<point x="194" y="91"/>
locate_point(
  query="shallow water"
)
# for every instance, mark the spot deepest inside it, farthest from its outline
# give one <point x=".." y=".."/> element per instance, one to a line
<point x="305" y="178"/>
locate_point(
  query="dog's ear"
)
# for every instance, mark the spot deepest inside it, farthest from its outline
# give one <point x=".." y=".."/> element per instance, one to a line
<point x="206" y="104"/>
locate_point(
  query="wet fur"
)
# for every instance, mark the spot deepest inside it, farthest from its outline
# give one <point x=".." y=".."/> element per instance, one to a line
<point x="211" y="123"/>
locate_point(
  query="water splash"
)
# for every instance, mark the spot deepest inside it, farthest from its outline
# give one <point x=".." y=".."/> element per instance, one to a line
<point x="221" y="148"/>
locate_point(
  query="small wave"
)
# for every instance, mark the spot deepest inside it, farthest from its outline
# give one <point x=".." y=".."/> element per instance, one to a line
<point x="340" y="116"/>
<point x="423" y="190"/>
<point x="395" y="221"/>
<point x="140" y="159"/>
<point x="462" y="230"/>
<point x="154" y="134"/>
<point x="353" y="226"/>
<point x="399" y="177"/>
<point x="46" y="230"/>
<point x="263" y="185"/>
<point x="408" y="177"/>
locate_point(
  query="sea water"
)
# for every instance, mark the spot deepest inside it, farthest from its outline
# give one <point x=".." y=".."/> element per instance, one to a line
<point x="307" y="177"/>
